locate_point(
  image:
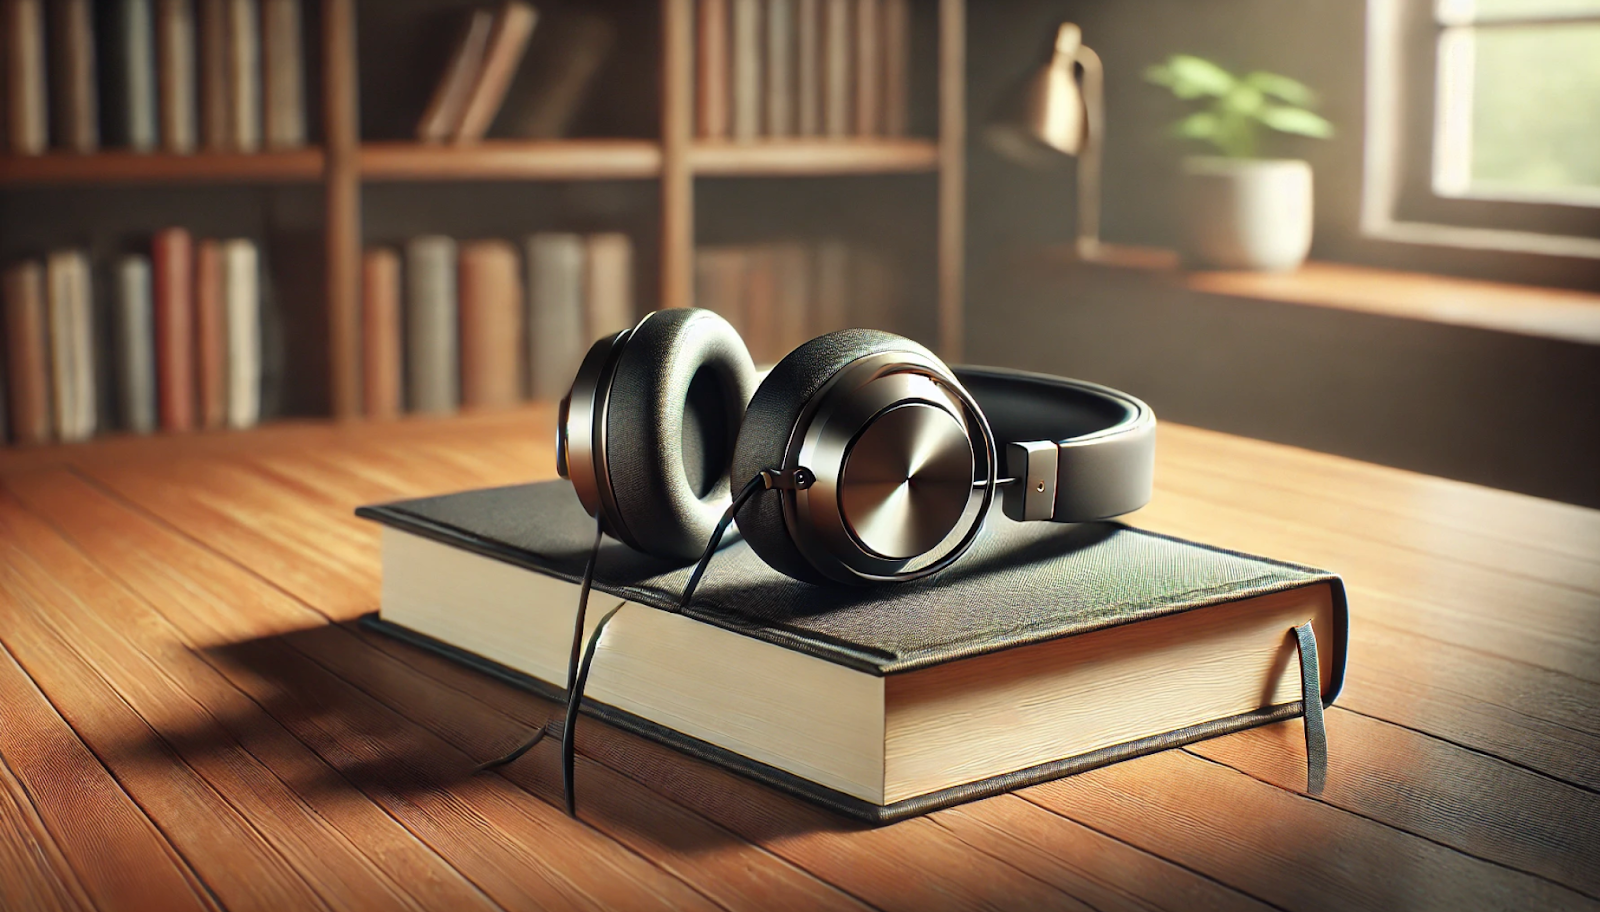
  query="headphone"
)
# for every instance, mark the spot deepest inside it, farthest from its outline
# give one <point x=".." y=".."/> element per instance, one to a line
<point x="884" y="460"/>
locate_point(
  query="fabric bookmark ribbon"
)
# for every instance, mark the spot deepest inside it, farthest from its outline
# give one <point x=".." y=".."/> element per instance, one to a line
<point x="1311" y="695"/>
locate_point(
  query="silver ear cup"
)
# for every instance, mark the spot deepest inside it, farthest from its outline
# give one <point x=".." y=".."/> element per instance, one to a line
<point x="905" y="467"/>
<point x="581" y="424"/>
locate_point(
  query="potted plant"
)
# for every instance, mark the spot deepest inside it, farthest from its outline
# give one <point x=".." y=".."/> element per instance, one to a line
<point x="1242" y="211"/>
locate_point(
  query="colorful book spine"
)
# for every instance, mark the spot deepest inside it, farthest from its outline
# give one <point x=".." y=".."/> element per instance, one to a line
<point x="211" y="335"/>
<point x="27" y="116"/>
<point x="172" y="258"/>
<point x="241" y="282"/>
<point x="491" y="299"/>
<point x="380" y="333"/>
<point x="28" y="353"/>
<point x="175" y="74"/>
<point x="135" y="345"/>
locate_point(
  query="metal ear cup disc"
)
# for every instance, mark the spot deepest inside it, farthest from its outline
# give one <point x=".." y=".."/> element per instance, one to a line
<point x="906" y="480"/>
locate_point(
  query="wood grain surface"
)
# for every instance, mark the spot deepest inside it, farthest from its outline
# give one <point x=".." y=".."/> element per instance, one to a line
<point x="192" y="719"/>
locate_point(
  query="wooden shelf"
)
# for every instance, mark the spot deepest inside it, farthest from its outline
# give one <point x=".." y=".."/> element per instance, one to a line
<point x="800" y="157"/>
<point x="570" y="159"/>
<point x="118" y="167"/>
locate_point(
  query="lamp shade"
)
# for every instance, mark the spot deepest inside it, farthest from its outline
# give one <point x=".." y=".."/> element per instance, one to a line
<point x="1046" y="113"/>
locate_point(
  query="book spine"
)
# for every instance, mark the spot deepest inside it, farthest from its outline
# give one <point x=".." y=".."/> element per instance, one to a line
<point x="28" y="353"/>
<point x="283" y="84"/>
<point x="244" y="74"/>
<point x="896" y="67"/>
<point x="215" y="95"/>
<point x="808" y="67"/>
<point x="868" y="68"/>
<point x="380" y="332"/>
<point x="211" y="334"/>
<point x="27" y="118"/>
<point x="745" y="71"/>
<point x="172" y="256"/>
<point x="490" y="289"/>
<point x="556" y="339"/>
<point x="791" y="267"/>
<point x="175" y="52"/>
<point x="836" y="58"/>
<point x="135" y="344"/>
<point x="77" y="109"/>
<point x="608" y="281"/>
<point x="545" y="104"/>
<point x="129" y="75"/>
<point x="761" y="305"/>
<point x="711" y="69"/>
<point x="433" y="373"/>
<point x="71" y="344"/>
<point x="443" y="115"/>
<point x="513" y="27"/>
<point x="780" y="68"/>
<point x="241" y="281"/>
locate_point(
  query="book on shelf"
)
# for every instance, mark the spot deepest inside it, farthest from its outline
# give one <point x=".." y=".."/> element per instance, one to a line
<point x="1049" y="649"/>
<point x="808" y="67"/>
<point x="608" y="283"/>
<point x="380" y="333"/>
<point x="243" y="61"/>
<point x="283" y="98"/>
<point x="241" y="283"/>
<point x="216" y="98"/>
<point x="175" y="75"/>
<point x="71" y="330"/>
<point x="896" y="57"/>
<point x="27" y="112"/>
<point x="442" y="117"/>
<point x="172" y="260"/>
<point x="562" y="65"/>
<point x="508" y="40"/>
<point x="432" y="349"/>
<point x="133" y="322"/>
<point x="744" y="69"/>
<point x="711" y="69"/>
<point x="28" y="353"/>
<point x="836" y="67"/>
<point x="492" y="307"/>
<point x="211" y="335"/>
<point x="868" y="70"/>
<point x="72" y="55"/>
<point x="778" y="78"/>
<point x="557" y="330"/>
<point x="129" y="100"/>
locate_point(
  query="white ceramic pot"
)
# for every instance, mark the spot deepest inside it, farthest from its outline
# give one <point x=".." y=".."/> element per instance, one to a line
<point x="1246" y="213"/>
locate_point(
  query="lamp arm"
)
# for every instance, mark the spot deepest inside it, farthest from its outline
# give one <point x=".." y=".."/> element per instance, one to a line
<point x="1089" y="159"/>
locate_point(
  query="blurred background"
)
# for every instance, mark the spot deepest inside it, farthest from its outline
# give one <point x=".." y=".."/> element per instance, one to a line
<point x="1367" y="228"/>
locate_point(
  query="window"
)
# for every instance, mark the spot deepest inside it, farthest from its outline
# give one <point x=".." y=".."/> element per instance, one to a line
<point x="1485" y="115"/>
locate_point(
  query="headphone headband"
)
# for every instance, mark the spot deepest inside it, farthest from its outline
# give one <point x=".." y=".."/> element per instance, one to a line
<point x="1078" y="451"/>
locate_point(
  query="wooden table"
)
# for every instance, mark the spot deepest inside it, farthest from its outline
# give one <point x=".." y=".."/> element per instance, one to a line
<point x="192" y="720"/>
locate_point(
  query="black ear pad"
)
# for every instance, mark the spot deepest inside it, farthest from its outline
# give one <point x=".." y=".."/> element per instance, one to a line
<point x="768" y="421"/>
<point x="677" y="398"/>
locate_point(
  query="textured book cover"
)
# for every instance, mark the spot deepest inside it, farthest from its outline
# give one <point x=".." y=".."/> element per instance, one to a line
<point x="1021" y="586"/>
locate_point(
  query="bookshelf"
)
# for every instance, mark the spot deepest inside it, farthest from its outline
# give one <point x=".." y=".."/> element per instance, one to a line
<point x="343" y="164"/>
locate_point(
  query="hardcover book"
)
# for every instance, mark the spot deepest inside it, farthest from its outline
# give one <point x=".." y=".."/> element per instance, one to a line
<point x="1049" y="649"/>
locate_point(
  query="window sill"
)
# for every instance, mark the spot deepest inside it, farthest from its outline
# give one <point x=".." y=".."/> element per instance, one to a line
<point x="1550" y="313"/>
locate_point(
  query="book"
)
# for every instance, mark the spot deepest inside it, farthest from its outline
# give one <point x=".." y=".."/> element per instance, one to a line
<point x="564" y="60"/>
<point x="210" y="335"/>
<point x="77" y="109"/>
<point x="215" y="94"/>
<point x="896" y="31"/>
<point x="837" y="53"/>
<point x="759" y="294"/>
<point x="711" y="69"/>
<point x="744" y="69"/>
<point x="134" y="330"/>
<point x="27" y="117"/>
<point x="28" y="353"/>
<point x="241" y="285"/>
<point x="808" y="67"/>
<point x="779" y="77"/>
<point x="175" y="74"/>
<point x="1048" y="649"/>
<point x="243" y="61"/>
<point x="128" y="75"/>
<point x="432" y="365"/>
<point x="868" y="67"/>
<point x="443" y="115"/>
<point x="72" y="374"/>
<point x="283" y="98"/>
<point x="380" y="332"/>
<point x="508" y="39"/>
<point x="489" y="286"/>
<point x="557" y="334"/>
<point x="608" y="284"/>
<point x="172" y="261"/>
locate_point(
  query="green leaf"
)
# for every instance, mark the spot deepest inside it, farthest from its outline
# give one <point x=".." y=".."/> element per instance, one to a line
<point x="1194" y="77"/>
<point x="1283" y="88"/>
<point x="1300" y="122"/>
<point x="1243" y="99"/>
<point x="1202" y="125"/>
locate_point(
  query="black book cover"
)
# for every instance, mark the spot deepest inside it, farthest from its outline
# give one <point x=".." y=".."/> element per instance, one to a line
<point x="1021" y="583"/>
